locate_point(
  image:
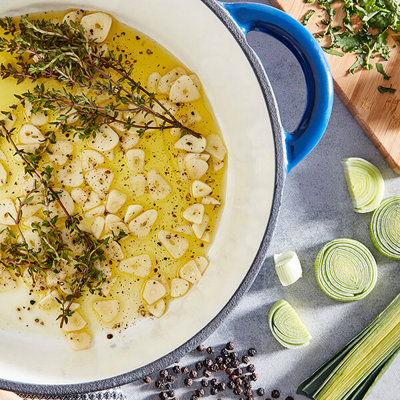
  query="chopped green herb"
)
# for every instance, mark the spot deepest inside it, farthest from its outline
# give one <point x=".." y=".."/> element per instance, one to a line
<point x="383" y="89"/>
<point x="380" y="69"/>
<point x="332" y="51"/>
<point x="307" y="17"/>
<point x="309" y="1"/>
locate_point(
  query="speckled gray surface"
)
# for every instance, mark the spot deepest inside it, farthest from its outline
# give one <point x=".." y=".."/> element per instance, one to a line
<point x="316" y="208"/>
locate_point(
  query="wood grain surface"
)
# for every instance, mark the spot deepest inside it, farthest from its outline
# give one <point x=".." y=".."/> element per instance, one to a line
<point x="378" y="114"/>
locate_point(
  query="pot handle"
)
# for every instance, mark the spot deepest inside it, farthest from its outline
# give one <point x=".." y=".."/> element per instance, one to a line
<point x="260" y="17"/>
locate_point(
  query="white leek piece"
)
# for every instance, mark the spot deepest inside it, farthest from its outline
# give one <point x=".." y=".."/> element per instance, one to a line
<point x="385" y="227"/>
<point x="287" y="327"/>
<point x="288" y="267"/>
<point x="364" y="183"/>
<point x="345" y="270"/>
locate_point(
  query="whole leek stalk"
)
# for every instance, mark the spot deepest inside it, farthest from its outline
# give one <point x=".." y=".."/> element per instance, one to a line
<point x="351" y="373"/>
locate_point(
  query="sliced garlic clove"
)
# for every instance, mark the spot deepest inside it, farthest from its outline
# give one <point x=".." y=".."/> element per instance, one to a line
<point x="191" y="143"/>
<point x="135" y="160"/>
<point x="202" y="263"/>
<point x="99" y="180"/>
<point x="79" y="340"/>
<point x="96" y="211"/>
<point x="117" y="227"/>
<point x="200" y="189"/>
<point x="73" y="16"/>
<point x="3" y="156"/>
<point x="195" y="167"/>
<point x="179" y="287"/>
<point x="96" y="26"/>
<point x="106" y="139"/>
<point x="109" y="155"/>
<point x="138" y="265"/>
<point x="210" y="200"/>
<point x="192" y="116"/>
<point x="166" y="81"/>
<point x="129" y="140"/>
<point x="111" y="219"/>
<point x="32" y="239"/>
<point x="190" y="272"/>
<point x="75" y="323"/>
<point x="162" y="107"/>
<point x="37" y="119"/>
<point x="176" y="245"/>
<point x="141" y="225"/>
<point x="7" y="282"/>
<point x="91" y="159"/>
<point x="69" y="240"/>
<point x="152" y="82"/>
<point x="199" y="229"/>
<point x="115" y="201"/>
<point x="194" y="213"/>
<point x="3" y="175"/>
<point x="196" y="81"/>
<point x="153" y="290"/>
<point x="206" y="237"/>
<point x="113" y="250"/>
<point x="215" y="147"/>
<point x="71" y="174"/>
<point x="180" y="159"/>
<point x="107" y="286"/>
<point x="60" y="151"/>
<point x="183" y="90"/>
<point x="138" y="184"/>
<point x="49" y="300"/>
<point x="97" y="227"/>
<point x="91" y="202"/>
<point x="29" y="134"/>
<point x="107" y="310"/>
<point x="157" y="309"/>
<point x="9" y="120"/>
<point x="102" y="266"/>
<point x="65" y="198"/>
<point x="159" y="188"/>
<point x="132" y="211"/>
<point x="186" y="229"/>
<point x="79" y="195"/>
<point x="32" y="220"/>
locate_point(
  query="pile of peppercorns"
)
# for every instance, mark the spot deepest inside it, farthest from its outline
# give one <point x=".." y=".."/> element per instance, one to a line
<point x="213" y="376"/>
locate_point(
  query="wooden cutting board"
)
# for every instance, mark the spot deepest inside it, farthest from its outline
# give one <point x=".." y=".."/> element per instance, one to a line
<point x="378" y="114"/>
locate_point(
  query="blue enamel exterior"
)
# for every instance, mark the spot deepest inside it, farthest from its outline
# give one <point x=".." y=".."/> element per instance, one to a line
<point x="259" y="17"/>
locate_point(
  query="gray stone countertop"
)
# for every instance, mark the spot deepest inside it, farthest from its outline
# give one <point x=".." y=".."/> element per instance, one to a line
<point x="316" y="208"/>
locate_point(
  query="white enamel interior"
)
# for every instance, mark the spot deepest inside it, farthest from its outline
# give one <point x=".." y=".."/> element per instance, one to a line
<point x="191" y="31"/>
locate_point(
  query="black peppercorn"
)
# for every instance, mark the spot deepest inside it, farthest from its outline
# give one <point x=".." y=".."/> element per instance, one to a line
<point x="247" y="385"/>
<point x="234" y="355"/>
<point x="229" y="371"/>
<point x="246" y="378"/>
<point x="221" y="386"/>
<point x="238" y="382"/>
<point x="147" y="379"/>
<point x="248" y="392"/>
<point x="275" y="394"/>
<point x="214" y="382"/>
<point x="171" y="393"/>
<point x="214" y="367"/>
<point x="289" y="398"/>
<point x="200" y="347"/>
<point x="200" y="392"/>
<point x="163" y="373"/>
<point x="252" y="352"/>
<point x="228" y="360"/>
<point x="188" y="382"/>
<point x="170" y="378"/>
<point x="214" y="391"/>
<point x="260" y="391"/>
<point x="208" y="362"/>
<point x="251" y="368"/>
<point x="176" y="369"/>
<point x="168" y="386"/>
<point x="199" y="366"/>
<point x="222" y="367"/>
<point x="159" y="384"/>
<point x="185" y="370"/>
<point x="194" y="397"/>
<point x="230" y="346"/>
<point x="268" y="398"/>
<point x="204" y="382"/>
<point x="235" y="363"/>
<point x="193" y="373"/>
<point x="238" y="390"/>
<point x="245" y="359"/>
<point x="219" y="359"/>
<point x="231" y="385"/>
<point x="207" y="373"/>
<point x="224" y="352"/>
<point x="210" y="350"/>
<point x="254" y="377"/>
<point x="163" y="396"/>
<point x="233" y="377"/>
<point x="238" y="371"/>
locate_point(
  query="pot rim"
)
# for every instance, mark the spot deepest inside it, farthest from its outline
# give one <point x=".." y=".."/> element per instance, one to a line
<point x="280" y="174"/>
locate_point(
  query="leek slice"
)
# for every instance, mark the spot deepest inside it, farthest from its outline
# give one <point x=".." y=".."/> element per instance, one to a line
<point x="364" y="183"/>
<point x="345" y="270"/>
<point x="352" y="372"/>
<point x="288" y="267"/>
<point x="286" y="326"/>
<point x="385" y="227"/>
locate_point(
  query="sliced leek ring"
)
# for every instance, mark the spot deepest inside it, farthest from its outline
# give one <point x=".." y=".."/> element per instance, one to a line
<point x="364" y="183"/>
<point x="345" y="270"/>
<point x="287" y="327"/>
<point x="288" y="267"/>
<point x="385" y="227"/>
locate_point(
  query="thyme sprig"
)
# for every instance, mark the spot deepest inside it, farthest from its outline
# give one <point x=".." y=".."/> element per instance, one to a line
<point x="53" y="251"/>
<point x="63" y="52"/>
